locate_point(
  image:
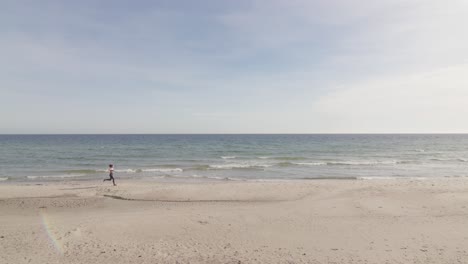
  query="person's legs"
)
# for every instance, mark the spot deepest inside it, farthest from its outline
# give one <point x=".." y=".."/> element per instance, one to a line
<point x="110" y="178"/>
<point x="113" y="180"/>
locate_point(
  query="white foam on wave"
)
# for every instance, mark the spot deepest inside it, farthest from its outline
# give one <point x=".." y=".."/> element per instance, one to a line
<point x="229" y="166"/>
<point x="62" y="176"/>
<point x="238" y="166"/>
<point x="262" y="165"/>
<point x="228" y="157"/>
<point x="310" y="163"/>
<point x="150" y="170"/>
<point x="263" y="157"/>
<point x="3" y="178"/>
<point x="194" y="176"/>
<point x="127" y="170"/>
<point x="163" y="170"/>
<point x="362" y="162"/>
<point x="215" y="178"/>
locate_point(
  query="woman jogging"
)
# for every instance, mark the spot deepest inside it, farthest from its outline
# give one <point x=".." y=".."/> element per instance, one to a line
<point x="111" y="174"/>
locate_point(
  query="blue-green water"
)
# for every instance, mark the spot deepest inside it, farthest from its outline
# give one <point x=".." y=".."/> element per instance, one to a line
<point x="234" y="157"/>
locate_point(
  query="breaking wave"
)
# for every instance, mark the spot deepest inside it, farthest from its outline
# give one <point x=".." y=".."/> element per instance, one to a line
<point x="218" y="178"/>
<point x="238" y="166"/>
<point x="163" y="170"/>
<point x="228" y="157"/>
<point x="310" y="163"/>
<point x="362" y="163"/>
<point x="340" y="163"/>
<point x="33" y="177"/>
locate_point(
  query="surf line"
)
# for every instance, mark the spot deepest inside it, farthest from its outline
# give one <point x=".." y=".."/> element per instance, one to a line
<point x="47" y="224"/>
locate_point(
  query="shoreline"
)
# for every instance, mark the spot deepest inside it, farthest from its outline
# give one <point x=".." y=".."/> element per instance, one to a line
<point x="319" y="221"/>
<point x="204" y="179"/>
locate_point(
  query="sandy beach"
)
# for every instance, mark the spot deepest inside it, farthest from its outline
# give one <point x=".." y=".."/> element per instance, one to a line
<point x="319" y="221"/>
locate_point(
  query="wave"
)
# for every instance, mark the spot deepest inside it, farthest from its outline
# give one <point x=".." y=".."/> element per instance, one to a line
<point x="228" y="157"/>
<point x="167" y="165"/>
<point x="4" y="178"/>
<point x="289" y="158"/>
<point x="285" y="164"/>
<point x="88" y="172"/>
<point x="362" y="163"/>
<point x="33" y="177"/>
<point x="439" y="159"/>
<point x="196" y="177"/>
<point x="163" y="170"/>
<point x="310" y="163"/>
<point x="82" y="171"/>
<point x="150" y="170"/>
<point x="238" y="166"/>
<point x="407" y="162"/>
<point x="339" y="163"/>
<point x="247" y="165"/>
<point x="448" y="159"/>
<point x="127" y="170"/>
<point x="200" y="167"/>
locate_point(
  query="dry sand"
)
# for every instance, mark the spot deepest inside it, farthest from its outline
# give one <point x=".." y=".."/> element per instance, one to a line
<point x="321" y="221"/>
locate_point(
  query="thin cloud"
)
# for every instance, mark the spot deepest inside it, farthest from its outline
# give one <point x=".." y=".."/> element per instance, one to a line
<point x="433" y="101"/>
<point x="280" y="66"/>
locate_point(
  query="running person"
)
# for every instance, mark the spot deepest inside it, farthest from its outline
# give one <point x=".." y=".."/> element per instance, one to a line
<point x="111" y="174"/>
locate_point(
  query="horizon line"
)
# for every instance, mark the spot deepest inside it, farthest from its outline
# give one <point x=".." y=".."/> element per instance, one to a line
<point x="340" y="133"/>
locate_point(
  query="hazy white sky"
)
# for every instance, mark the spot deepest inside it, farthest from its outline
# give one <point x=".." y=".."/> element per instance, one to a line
<point x="253" y="66"/>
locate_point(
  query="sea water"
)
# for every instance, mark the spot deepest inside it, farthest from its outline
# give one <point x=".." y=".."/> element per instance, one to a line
<point x="34" y="158"/>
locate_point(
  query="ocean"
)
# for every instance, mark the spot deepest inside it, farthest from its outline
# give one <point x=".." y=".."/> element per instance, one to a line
<point x="39" y="158"/>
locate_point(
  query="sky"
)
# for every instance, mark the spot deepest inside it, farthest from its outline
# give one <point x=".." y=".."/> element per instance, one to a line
<point x="244" y="66"/>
